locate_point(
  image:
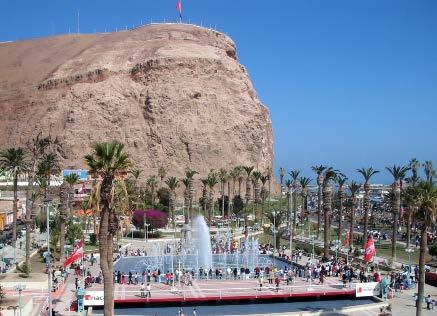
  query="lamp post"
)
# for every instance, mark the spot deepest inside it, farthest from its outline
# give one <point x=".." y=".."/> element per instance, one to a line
<point x="274" y="232"/>
<point x="312" y="241"/>
<point x="49" y="265"/>
<point x="409" y="251"/>
<point x="20" y="288"/>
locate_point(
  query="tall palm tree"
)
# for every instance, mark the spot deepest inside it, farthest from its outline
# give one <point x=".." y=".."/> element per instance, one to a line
<point x="304" y="183"/>
<point x="264" y="194"/>
<point x="186" y="184"/>
<point x="329" y="175"/>
<point x="204" y="195"/>
<point x="294" y="174"/>
<point x="151" y="184"/>
<point x="410" y="199"/>
<point x="172" y="184"/>
<point x="36" y="148"/>
<point x="319" y="171"/>
<point x="256" y="175"/>
<point x="414" y="165"/>
<point x="162" y="172"/>
<point x="269" y="176"/>
<point x="212" y="181"/>
<point x="223" y="177"/>
<point x="367" y="174"/>
<point x="235" y="173"/>
<point x="398" y="173"/>
<point x="65" y="197"/>
<point x="429" y="171"/>
<point x="248" y="170"/>
<point x="281" y="175"/>
<point x="47" y="167"/>
<point x="354" y="188"/>
<point x="189" y="174"/>
<point x="14" y="162"/>
<point x="427" y="211"/>
<point x="108" y="160"/>
<point x="341" y="181"/>
<point x="276" y="218"/>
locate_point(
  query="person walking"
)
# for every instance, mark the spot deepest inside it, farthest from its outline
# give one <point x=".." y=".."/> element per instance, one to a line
<point x="277" y="282"/>
<point x="142" y="290"/>
<point x="148" y="294"/>
<point x="428" y="301"/>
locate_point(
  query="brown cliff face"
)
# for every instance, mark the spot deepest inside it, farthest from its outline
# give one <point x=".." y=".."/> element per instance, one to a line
<point x="174" y="94"/>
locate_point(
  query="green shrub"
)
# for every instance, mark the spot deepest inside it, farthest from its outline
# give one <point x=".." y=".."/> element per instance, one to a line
<point x="433" y="250"/>
<point x="93" y="239"/>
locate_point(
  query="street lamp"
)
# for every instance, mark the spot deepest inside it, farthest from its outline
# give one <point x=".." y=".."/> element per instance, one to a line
<point x="409" y="251"/>
<point x="336" y="246"/>
<point x="20" y="288"/>
<point x="312" y="241"/>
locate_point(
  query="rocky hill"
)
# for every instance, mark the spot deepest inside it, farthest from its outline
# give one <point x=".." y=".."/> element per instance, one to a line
<point x="175" y="94"/>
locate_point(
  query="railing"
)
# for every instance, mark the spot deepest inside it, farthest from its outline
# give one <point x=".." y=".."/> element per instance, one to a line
<point x="252" y="292"/>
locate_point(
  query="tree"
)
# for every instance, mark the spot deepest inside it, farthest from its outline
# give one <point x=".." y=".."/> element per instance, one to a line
<point x="367" y="175"/>
<point x="66" y="194"/>
<point x="354" y="188"/>
<point x="36" y="148"/>
<point x="319" y="171"/>
<point x="328" y="176"/>
<point x="432" y="251"/>
<point x="151" y="184"/>
<point x="161" y="173"/>
<point x="189" y="174"/>
<point x="294" y="174"/>
<point x="264" y="194"/>
<point x="238" y="205"/>
<point x="172" y="184"/>
<point x="341" y="181"/>
<point x="212" y="181"/>
<point x="204" y="198"/>
<point x="13" y="161"/>
<point x="304" y="183"/>
<point x="281" y="175"/>
<point x="429" y="171"/>
<point x="235" y="174"/>
<point x="248" y="170"/>
<point x="108" y="160"/>
<point x="223" y="177"/>
<point x="414" y="166"/>
<point x="74" y="232"/>
<point x="426" y="199"/>
<point x="398" y="173"/>
<point x="256" y="177"/>
<point x="277" y="218"/>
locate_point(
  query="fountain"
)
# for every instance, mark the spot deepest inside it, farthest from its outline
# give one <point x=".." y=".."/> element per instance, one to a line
<point x="202" y="242"/>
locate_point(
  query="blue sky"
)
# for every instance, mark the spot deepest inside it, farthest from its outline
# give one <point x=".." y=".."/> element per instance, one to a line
<point x="348" y="83"/>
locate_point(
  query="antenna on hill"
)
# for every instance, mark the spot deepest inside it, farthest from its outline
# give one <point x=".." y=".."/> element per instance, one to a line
<point x="78" y="16"/>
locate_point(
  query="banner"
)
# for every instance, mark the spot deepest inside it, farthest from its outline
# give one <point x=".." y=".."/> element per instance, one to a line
<point x="83" y="174"/>
<point x="76" y="255"/>
<point x="93" y="298"/>
<point x="369" y="250"/>
<point x="367" y="289"/>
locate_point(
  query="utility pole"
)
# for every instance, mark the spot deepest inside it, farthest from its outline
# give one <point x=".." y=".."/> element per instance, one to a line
<point x="290" y="200"/>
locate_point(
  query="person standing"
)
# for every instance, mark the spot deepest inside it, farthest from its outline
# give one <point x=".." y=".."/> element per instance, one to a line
<point x="148" y="294"/>
<point x="142" y="290"/>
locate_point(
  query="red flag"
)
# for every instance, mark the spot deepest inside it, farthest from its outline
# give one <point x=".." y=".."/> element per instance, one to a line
<point x="76" y="254"/>
<point x="179" y="8"/>
<point x="369" y="250"/>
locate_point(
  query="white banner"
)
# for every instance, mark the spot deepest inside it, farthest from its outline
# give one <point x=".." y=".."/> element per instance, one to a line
<point x="94" y="298"/>
<point x="367" y="289"/>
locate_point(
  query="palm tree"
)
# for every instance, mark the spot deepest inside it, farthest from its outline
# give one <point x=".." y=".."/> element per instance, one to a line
<point x="319" y="171"/>
<point x="294" y="174"/>
<point x="65" y="197"/>
<point x="398" y="173"/>
<point x="256" y="175"/>
<point x="212" y="181"/>
<point x="48" y="166"/>
<point x="329" y="175"/>
<point x="108" y="160"/>
<point x="186" y="184"/>
<point x="281" y="175"/>
<point x="354" y="188"/>
<point x="304" y="183"/>
<point x="276" y="218"/>
<point x="235" y="174"/>
<point x="36" y="148"/>
<point x="223" y="177"/>
<point x="248" y="170"/>
<point x="264" y="194"/>
<point x="152" y="183"/>
<point x="189" y="174"/>
<point x="204" y="195"/>
<point x="172" y="184"/>
<point x="341" y="181"/>
<point x="367" y="175"/>
<point x="429" y="171"/>
<point x="414" y="165"/>
<point x="426" y="199"/>
<point x="410" y="199"/>
<point x="13" y="161"/>
<point x="161" y="173"/>
<point x="269" y="179"/>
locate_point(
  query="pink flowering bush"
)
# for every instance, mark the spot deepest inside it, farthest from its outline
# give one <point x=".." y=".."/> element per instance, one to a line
<point x="156" y="219"/>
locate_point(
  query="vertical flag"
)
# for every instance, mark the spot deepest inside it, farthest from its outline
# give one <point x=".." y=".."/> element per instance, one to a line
<point x="179" y="8"/>
<point x="346" y="241"/>
<point x="76" y="255"/>
<point x="369" y="250"/>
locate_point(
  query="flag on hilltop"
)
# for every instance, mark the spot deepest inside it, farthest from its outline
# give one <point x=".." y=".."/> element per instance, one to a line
<point x="369" y="250"/>
<point x="179" y="8"/>
<point x="76" y="254"/>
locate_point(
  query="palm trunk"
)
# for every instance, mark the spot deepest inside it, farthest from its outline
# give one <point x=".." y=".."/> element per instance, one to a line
<point x="15" y="210"/>
<point x="351" y="224"/>
<point x="409" y="227"/>
<point x="396" y="209"/>
<point x="294" y="211"/>
<point x="421" y="290"/>
<point x="247" y="189"/>
<point x="327" y="213"/>
<point x="340" y="214"/>
<point x="319" y="204"/>
<point x="223" y="199"/>
<point x="229" y="199"/>
<point x="366" y="212"/>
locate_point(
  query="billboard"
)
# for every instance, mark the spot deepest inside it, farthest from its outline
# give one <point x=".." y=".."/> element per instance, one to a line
<point x="93" y="298"/>
<point x="367" y="289"/>
<point x="83" y="174"/>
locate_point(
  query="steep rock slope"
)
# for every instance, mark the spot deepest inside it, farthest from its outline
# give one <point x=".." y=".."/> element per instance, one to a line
<point x="174" y="94"/>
